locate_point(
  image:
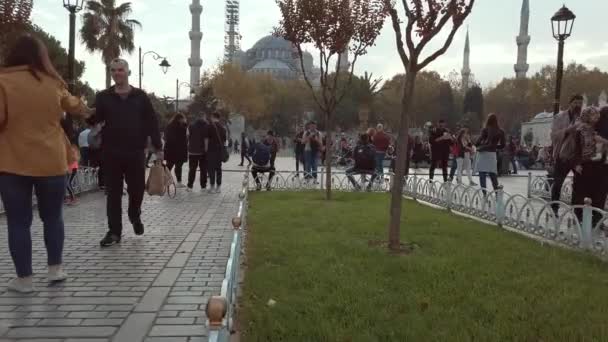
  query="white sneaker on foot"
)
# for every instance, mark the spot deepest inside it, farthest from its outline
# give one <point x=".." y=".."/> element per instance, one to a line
<point x="21" y="285"/>
<point x="218" y="189"/>
<point x="188" y="189"/>
<point x="180" y="185"/>
<point x="211" y="190"/>
<point x="56" y="273"/>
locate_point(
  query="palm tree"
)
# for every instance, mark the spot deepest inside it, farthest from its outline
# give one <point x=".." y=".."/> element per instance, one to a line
<point x="108" y="29"/>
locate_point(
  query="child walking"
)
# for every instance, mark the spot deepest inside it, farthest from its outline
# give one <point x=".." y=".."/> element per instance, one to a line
<point x="72" y="172"/>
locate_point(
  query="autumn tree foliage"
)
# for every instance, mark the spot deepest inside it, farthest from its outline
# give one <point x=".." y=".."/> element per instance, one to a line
<point x="331" y="27"/>
<point x="424" y="20"/>
<point x="14" y="18"/>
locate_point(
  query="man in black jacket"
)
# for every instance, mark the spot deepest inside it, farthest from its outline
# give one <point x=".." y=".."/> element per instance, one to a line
<point x="196" y="152"/>
<point x="129" y="119"/>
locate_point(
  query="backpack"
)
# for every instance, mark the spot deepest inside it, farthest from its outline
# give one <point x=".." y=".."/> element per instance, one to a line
<point x="365" y="157"/>
<point x="261" y="154"/>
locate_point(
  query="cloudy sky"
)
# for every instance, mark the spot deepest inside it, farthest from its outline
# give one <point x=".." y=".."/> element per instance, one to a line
<point x="493" y="27"/>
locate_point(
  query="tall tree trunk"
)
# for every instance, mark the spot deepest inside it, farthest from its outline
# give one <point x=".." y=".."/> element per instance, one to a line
<point x="108" y="78"/>
<point x="401" y="163"/>
<point x="328" y="140"/>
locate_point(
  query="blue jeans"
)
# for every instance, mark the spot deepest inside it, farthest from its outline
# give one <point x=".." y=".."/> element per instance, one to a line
<point x="310" y="164"/>
<point x="380" y="163"/>
<point x="16" y="194"/>
<point x="493" y="177"/>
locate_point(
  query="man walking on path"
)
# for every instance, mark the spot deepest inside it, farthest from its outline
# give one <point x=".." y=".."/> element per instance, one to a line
<point x="196" y="152"/>
<point x="215" y="142"/>
<point x="563" y="124"/>
<point x="83" y="143"/>
<point x="244" y="149"/>
<point x="129" y="119"/>
<point x="440" y="140"/>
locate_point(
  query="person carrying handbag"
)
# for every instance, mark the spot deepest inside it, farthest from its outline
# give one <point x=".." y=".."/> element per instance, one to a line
<point x="215" y="147"/>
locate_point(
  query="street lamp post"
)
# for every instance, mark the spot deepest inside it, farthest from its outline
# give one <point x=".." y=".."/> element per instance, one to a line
<point x="164" y="64"/>
<point x="73" y="6"/>
<point x="561" y="24"/>
<point x="177" y="86"/>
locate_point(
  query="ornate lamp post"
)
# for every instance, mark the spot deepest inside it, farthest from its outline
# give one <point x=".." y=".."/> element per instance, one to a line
<point x="177" y="86"/>
<point x="561" y="24"/>
<point x="164" y="64"/>
<point x="73" y="6"/>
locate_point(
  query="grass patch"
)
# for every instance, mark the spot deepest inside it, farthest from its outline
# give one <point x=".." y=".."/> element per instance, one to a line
<point x="465" y="281"/>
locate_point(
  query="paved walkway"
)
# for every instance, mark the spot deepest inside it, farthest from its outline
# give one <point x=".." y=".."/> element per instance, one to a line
<point x="148" y="288"/>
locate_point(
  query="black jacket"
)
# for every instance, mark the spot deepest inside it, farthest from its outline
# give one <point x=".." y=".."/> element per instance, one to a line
<point x="491" y="140"/>
<point x="128" y="122"/>
<point x="215" y="131"/>
<point x="196" y="140"/>
<point x="176" y="142"/>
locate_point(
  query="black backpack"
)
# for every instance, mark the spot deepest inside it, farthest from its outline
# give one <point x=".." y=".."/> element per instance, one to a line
<point x="365" y="157"/>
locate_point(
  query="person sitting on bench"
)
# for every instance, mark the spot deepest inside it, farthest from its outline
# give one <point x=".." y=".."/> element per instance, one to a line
<point x="260" y="153"/>
<point x="365" y="162"/>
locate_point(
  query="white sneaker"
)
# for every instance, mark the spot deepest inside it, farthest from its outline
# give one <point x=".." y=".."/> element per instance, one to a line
<point x="211" y="190"/>
<point x="188" y="189"/>
<point x="56" y="273"/>
<point x="180" y="185"/>
<point x="218" y="190"/>
<point x="21" y="285"/>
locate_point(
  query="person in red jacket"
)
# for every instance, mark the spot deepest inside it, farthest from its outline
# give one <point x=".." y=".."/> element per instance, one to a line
<point x="381" y="142"/>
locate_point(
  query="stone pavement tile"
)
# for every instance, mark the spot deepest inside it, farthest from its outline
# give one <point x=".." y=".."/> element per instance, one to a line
<point x="175" y="320"/>
<point x="135" y="327"/>
<point x="153" y="299"/>
<point x="167" y="277"/>
<point x="59" y="322"/>
<point x="102" y="321"/>
<point x="166" y="339"/>
<point x="178" y="330"/>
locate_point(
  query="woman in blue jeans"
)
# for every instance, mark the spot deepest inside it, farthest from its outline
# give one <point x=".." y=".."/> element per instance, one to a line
<point x="34" y="155"/>
<point x="491" y="140"/>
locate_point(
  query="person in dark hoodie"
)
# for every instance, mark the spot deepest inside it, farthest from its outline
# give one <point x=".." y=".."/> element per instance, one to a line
<point x="176" y="145"/>
<point x="196" y="152"/>
<point x="129" y="119"/>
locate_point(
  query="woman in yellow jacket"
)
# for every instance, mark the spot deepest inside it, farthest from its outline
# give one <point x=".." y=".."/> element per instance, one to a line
<point x="33" y="155"/>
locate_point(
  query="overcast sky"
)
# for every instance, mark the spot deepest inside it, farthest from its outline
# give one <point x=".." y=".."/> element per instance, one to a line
<point x="493" y="27"/>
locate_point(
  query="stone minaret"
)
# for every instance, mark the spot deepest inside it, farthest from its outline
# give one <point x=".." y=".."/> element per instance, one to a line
<point x="196" y="35"/>
<point x="523" y="40"/>
<point x="466" y="66"/>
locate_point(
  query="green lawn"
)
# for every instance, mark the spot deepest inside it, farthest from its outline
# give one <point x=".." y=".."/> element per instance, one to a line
<point x="465" y="281"/>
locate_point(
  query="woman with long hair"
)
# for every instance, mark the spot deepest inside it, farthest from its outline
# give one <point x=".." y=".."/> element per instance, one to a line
<point x="176" y="145"/>
<point x="463" y="159"/>
<point x="491" y="140"/>
<point x="34" y="155"/>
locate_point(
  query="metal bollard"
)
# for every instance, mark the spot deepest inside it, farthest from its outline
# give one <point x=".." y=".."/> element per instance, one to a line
<point x="448" y="194"/>
<point x="529" y="184"/>
<point x="500" y="206"/>
<point x="587" y="223"/>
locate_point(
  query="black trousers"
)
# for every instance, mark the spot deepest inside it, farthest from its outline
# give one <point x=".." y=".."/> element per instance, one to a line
<point x="255" y="170"/>
<point x="214" y="167"/>
<point x="129" y="168"/>
<point x="178" y="169"/>
<point x="442" y="160"/>
<point x="194" y="162"/>
<point x="299" y="160"/>
<point x="560" y="172"/>
<point x="590" y="183"/>
<point x="244" y="156"/>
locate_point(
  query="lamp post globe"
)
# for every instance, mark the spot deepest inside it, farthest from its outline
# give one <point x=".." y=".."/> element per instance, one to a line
<point x="75" y="5"/>
<point x="562" y="23"/>
<point x="164" y="65"/>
